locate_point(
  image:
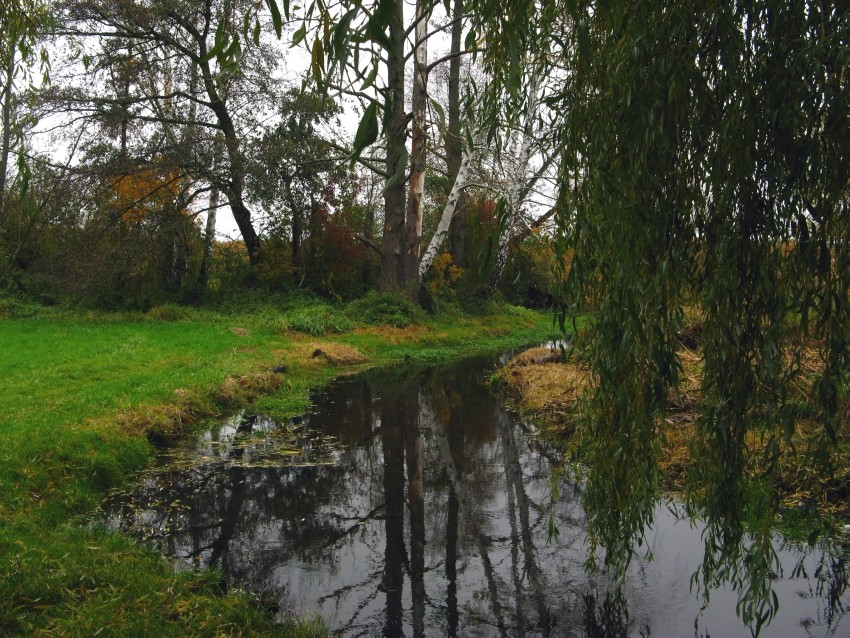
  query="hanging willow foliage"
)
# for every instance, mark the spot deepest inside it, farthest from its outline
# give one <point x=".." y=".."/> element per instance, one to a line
<point x="708" y="159"/>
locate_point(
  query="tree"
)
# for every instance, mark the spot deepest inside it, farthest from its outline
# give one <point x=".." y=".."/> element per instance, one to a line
<point x="362" y="51"/>
<point x="454" y="135"/>
<point x="291" y="164"/>
<point x="706" y="164"/>
<point x="209" y="80"/>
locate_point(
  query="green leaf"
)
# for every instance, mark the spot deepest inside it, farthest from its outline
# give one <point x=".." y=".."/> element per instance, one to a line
<point x="340" y="32"/>
<point x="379" y="23"/>
<point x="469" y="41"/>
<point x="234" y="51"/>
<point x="367" y="131"/>
<point x="441" y="114"/>
<point x="246" y="24"/>
<point x="318" y="59"/>
<point x="277" y="20"/>
<point x="370" y="79"/>
<point x="219" y="43"/>
<point x="339" y="41"/>
<point x="383" y="13"/>
<point x="24" y="173"/>
<point x="583" y="33"/>
<point x="378" y="36"/>
<point x="400" y="170"/>
<point x="299" y="35"/>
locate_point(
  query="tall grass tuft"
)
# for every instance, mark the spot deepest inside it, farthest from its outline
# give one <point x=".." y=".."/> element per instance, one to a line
<point x="385" y="309"/>
<point x="318" y="320"/>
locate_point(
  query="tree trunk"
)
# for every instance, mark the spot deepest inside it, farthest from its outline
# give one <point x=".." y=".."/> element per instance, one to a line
<point x="449" y="212"/>
<point x="125" y="101"/>
<point x="236" y="184"/>
<point x="297" y="228"/>
<point x="368" y="224"/>
<point x="209" y="238"/>
<point x="6" y="142"/>
<point x="419" y="101"/>
<point x="314" y="232"/>
<point x="454" y="143"/>
<point x="393" y="245"/>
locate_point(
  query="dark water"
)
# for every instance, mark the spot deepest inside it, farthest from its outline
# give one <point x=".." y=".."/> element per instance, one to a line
<point x="421" y="507"/>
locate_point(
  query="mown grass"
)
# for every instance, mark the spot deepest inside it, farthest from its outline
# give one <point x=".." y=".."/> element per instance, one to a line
<point x="78" y="394"/>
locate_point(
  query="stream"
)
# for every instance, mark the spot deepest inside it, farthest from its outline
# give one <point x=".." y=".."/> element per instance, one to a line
<point x="414" y="503"/>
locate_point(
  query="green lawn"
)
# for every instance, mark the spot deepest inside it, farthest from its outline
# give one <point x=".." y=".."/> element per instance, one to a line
<point x="66" y="383"/>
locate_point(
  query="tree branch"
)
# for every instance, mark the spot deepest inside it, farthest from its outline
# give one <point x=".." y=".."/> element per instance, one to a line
<point x="371" y="244"/>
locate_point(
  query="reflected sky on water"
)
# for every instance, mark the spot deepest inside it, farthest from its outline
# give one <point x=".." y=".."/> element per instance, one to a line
<point x="416" y="505"/>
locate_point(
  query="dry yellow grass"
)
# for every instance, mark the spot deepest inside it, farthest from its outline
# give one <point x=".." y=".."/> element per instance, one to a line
<point x="315" y="353"/>
<point x="548" y="392"/>
<point x="167" y="422"/>
<point x="337" y="354"/>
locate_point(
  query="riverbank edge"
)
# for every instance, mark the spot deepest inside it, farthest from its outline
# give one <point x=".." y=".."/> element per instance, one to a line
<point x="545" y="390"/>
<point x="75" y="578"/>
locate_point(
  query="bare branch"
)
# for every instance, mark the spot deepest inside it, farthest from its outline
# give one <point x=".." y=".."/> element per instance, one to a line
<point x="371" y="244"/>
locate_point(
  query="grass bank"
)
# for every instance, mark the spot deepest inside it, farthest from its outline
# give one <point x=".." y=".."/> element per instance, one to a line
<point x="548" y="390"/>
<point x="82" y="398"/>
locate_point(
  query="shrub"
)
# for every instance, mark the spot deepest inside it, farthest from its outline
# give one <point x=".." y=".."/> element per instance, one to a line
<point x="384" y="309"/>
<point x="442" y="280"/>
<point x="532" y="273"/>
<point x="11" y="308"/>
<point x="168" y="312"/>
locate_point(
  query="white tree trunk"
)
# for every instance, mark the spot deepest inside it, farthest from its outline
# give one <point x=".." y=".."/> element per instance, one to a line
<point x="517" y="189"/>
<point x="449" y="211"/>
<point x="419" y="102"/>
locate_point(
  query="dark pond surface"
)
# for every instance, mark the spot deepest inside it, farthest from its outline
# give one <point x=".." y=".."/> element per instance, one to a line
<point x="421" y="507"/>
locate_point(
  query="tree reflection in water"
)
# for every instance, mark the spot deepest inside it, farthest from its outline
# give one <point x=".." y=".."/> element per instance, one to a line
<point x="421" y="509"/>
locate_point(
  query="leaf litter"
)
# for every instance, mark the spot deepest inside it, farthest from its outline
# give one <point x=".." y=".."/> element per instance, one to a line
<point x="158" y="504"/>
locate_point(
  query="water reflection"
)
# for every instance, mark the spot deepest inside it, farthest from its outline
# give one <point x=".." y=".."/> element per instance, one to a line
<point x="422" y="509"/>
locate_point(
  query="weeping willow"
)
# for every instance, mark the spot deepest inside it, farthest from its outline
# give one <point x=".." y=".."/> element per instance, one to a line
<point x="707" y="166"/>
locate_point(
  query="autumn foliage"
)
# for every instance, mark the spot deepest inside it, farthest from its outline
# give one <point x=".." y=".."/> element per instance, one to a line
<point x="146" y="192"/>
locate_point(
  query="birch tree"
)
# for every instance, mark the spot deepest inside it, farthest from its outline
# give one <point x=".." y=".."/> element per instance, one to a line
<point x="461" y="181"/>
<point x="362" y="51"/>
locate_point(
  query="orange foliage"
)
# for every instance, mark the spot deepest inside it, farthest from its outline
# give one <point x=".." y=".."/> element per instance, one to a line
<point x="149" y="191"/>
<point x="445" y="276"/>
